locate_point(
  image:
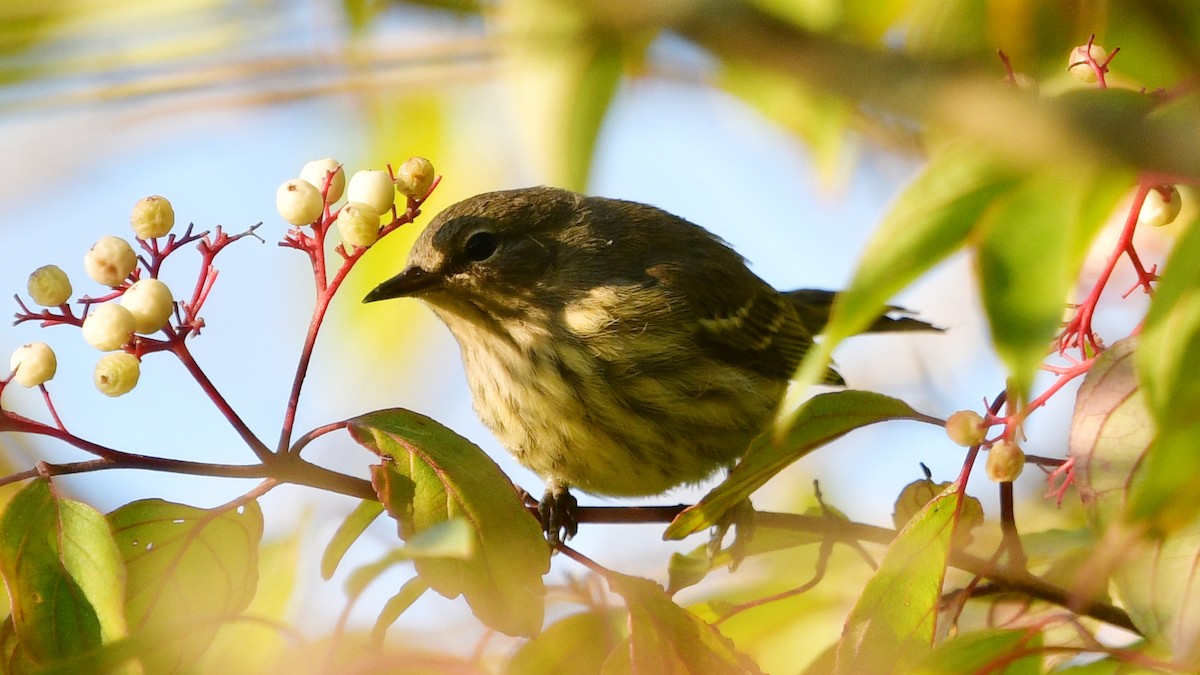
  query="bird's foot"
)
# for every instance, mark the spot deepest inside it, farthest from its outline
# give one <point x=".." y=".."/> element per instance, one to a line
<point x="557" y="511"/>
<point x="741" y="519"/>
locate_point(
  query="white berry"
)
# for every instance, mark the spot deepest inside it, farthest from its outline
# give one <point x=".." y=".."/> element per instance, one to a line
<point x="965" y="428"/>
<point x="415" y="177"/>
<point x="316" y="171"/>
<point x="152" y="217"/>
<point x="150" y="303"/>
<point x="49" y="286"/>
<point x="298" y="202"/>
<point x="1078" y="64"/>
<point x="358" y="224"/>
<point x="110" y="261"/>
<point x="1158" y="210"/>
<point x="372" y="187"/>
<point x="108" y="327"/>
<point x="116" y="374"/>
<point x="1005" y="461"/>
<point x="33" y="364"/>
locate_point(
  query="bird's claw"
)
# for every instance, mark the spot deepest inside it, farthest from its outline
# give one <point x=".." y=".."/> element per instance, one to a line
<point x="558" y="513"/>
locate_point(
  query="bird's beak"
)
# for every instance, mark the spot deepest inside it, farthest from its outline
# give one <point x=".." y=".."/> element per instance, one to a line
<point x="409" y="282"/>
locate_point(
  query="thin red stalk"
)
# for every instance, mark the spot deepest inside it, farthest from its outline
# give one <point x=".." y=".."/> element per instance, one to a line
<point x="313" y="435"/>
<point x="1079" y="329"/>
<point x="325" y="292"/>
<point x="310" y="341"/>
<point x="50" y="407"/>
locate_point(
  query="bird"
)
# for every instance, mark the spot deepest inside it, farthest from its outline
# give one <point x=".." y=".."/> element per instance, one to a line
<point x="611" y="346"/>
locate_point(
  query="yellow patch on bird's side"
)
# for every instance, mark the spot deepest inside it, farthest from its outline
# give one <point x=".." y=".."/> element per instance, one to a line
<point x="591" y="314"/>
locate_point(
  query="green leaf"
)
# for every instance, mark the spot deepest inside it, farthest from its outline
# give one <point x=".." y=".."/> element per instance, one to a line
<point x="1168" y="359"/>
<point x="347" y="533"/>
<point x="252" y="646"/>
<point x="1031" y="245"/>
<point x="188" y="569"/>
<point x="578" y="644"/>
<point x="665" y="638"/>
<point x="892" y="625"/>
<point x="364" y="575"/>
<point x="822" y="419"/>
<point x="563" y="69"/>
<point x="817" y="117"/>
<point x="431" y="475"/>
<point x="984" y="651"/>
<point x="1111" y="437"/>
<point x="410" y="592"/>
<point x="929" y="221"/>
<point x="63" y="574"/>
<point x="448" y="539"/>
<point x="453" y="538"/>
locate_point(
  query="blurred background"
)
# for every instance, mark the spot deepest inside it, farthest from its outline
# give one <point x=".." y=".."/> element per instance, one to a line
<point x="784" y="127"/>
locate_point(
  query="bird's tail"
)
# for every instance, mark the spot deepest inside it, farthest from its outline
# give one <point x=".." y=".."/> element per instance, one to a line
<point x="813" y="305"/>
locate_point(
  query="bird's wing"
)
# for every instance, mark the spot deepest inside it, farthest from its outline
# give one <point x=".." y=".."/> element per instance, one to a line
<point x="740" y="319"/>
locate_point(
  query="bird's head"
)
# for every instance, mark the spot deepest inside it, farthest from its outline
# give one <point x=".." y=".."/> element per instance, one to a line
<point x="491" y="253"/>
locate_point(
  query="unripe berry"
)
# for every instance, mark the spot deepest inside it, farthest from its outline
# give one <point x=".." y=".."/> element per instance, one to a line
<point x="150" y="303"/>
<point x="33" y="364"/>
<point x="49" y="286"/>
<point x="372" y="187"/>
<point x="1158" y="210"/>
<point x="1005" y="461"/>
<point x="108" y="327"/>
<point x="966" y="428"/>
<point x="415" y="177"/>
<point x="152" y="217"/>
<point x="1078" y="64"/>
<point x="110" y="261"/>
<point x="317" y="170"/>
<point x="116" y="374"/>
<point x="298" y="202"/>
<point x="358" y="224"/>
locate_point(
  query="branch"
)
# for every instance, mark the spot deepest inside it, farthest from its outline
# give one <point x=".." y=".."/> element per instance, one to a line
<point x="1008" y="578"/>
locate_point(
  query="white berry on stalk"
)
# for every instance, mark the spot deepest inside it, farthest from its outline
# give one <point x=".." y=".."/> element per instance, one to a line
<point x="1005" y="461"/>
<point x="1078" y="64"/>
<point x="49" y="286"/>
<point x="1158" y="210"/>
<point x="965" y="428"/>
<point x="358" y="224"/>
<point x="150" y="303"/>
<point x="116" y="374"/>
<point x="108" y="327"/>
<point x="152" y="217"/>
<point x="415" y="177"/>
<point x="372" y="187"/>
<point x="33" y="364"/>
<point x="298" y="202"/>
<point x="110" y="261"/>
<point x="317" y="170"/>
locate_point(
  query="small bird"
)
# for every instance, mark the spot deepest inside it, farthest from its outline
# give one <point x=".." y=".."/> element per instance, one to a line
<point x="609" y="345"/>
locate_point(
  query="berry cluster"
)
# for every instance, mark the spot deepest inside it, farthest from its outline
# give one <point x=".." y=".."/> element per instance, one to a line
<point x="369" y="196"/>
<point x="136" y="305"/>
<point x="1155" y="203"/>
<point x="138" y="313"/>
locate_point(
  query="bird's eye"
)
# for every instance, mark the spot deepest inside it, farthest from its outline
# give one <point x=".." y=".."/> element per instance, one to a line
<point x="480" y="246"/>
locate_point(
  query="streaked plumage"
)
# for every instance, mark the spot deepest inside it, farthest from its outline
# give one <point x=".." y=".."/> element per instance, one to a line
<point x="610" y="345"/>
